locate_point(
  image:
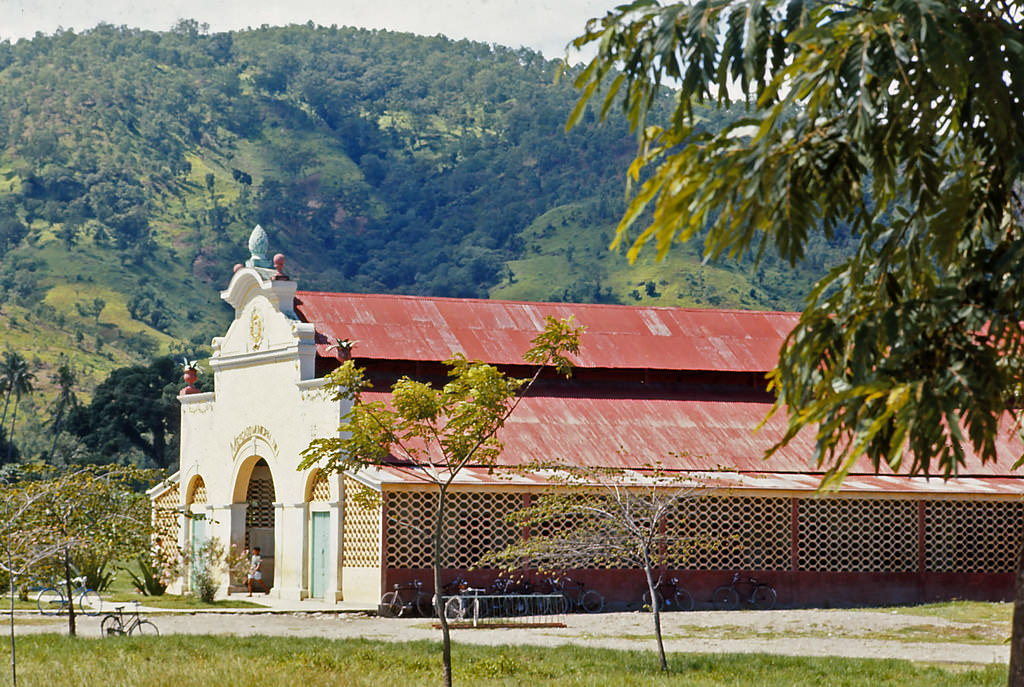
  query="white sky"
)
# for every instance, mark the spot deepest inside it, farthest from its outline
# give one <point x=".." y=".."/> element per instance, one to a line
<point x="544" y="25"/>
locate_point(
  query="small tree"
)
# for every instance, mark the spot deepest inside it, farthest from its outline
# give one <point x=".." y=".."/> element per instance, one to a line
<point x="16" y="378"/>
<point x="611" y="518"/>
<point x="65" y="379"/>
<point x="439" y="431"/>
<point x="89" y="510"/>
<point x="22" y="544"/>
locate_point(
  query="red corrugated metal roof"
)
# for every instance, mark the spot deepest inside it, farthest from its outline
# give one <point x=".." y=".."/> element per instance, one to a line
<point x="389" y="327"/>
<point x="683" y="434"/>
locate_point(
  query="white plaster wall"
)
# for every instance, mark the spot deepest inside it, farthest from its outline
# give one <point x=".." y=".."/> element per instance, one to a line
<point x="266" y="405"/>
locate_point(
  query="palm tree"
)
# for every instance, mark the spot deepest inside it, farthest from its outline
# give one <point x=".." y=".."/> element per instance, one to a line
<point x="65" y="379"/>
<point x="17" y="380"/>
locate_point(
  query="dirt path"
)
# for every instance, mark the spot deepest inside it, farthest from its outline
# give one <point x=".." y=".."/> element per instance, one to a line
<point x="853" y="634"/>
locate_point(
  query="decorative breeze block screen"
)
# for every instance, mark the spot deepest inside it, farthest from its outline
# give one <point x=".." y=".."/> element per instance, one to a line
<point x="858" y="535"/>
<point x="474" y="525"/>
<point x="834" y="534"/>
<point x="361" y="530"/>
<point x="260" y="497"/>
<point x="972" y="536"/>
<point x="167" y="519"/>
<point x="733" y="533"/>
<point x="321" y="489"/>
<point x="198" y="491"/>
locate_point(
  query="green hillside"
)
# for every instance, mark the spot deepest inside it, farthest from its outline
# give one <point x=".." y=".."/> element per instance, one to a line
<point x="134" y="164"/>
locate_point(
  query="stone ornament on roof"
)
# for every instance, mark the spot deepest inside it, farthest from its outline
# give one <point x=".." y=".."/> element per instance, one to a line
<point x="259" y="246"/>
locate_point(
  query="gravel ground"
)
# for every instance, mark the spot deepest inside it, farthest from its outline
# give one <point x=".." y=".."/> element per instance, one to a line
<point x="853" y="634"/>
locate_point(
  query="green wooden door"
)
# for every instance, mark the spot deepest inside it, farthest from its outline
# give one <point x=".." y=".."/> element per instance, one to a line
<point x="200" y="533"/>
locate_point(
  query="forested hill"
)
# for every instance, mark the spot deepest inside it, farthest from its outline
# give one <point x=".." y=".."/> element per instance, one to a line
<point x="134" y="164"/>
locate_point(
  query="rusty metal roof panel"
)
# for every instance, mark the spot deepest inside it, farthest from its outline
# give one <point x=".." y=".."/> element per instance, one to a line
<point x="691" y="435"/>
<point x="390" y="327"/>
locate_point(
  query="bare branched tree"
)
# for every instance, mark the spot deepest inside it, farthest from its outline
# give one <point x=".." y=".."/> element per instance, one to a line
<point x="609" y="517"/>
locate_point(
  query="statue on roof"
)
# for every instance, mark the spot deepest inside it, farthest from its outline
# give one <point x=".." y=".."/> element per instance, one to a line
<point x="259" y="246"/>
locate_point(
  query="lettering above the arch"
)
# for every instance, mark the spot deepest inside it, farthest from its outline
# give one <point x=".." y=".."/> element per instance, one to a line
<point x="248" y="433"/>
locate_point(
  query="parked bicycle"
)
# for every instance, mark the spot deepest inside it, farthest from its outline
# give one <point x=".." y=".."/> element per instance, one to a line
<point x="467" y="604"/>
<point x="671" y="597"/>
<point x="51" y="600"/>
<point x="748" y="591"/>
<point x="406" y="600"/>
<point x="115" y="624"/>
<point x="575" y="596"/>
<point x="514" y="590"/>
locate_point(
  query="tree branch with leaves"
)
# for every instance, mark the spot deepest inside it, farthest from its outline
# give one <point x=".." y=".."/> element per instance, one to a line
<point x="900" y="121"/>
<point x="436" y="431"/>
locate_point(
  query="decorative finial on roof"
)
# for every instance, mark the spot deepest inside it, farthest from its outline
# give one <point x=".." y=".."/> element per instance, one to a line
<point x="259" y="244"/>
<point x="279" y="266"/>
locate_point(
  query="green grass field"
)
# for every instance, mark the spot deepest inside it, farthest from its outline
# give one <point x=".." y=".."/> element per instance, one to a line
<point x="185" y="661"/>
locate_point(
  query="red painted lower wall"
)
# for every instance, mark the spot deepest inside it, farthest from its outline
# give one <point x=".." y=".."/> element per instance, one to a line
<point x="623" y="589"/>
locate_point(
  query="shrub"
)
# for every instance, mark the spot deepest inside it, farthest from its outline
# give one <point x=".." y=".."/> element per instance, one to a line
<point x="150" y="580"/>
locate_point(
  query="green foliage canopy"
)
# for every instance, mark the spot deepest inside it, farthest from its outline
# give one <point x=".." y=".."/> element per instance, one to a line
<point x="134" y="410"/>
<point x="903" y="119"/>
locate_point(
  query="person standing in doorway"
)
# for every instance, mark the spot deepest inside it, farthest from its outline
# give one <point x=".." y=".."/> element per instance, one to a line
<point x="255" y="575"/>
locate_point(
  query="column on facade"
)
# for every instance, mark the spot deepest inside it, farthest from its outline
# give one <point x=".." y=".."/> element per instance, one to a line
<point x="290" y="559"/>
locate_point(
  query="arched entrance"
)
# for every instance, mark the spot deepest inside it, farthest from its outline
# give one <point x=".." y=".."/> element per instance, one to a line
<point x="259" y="517"/>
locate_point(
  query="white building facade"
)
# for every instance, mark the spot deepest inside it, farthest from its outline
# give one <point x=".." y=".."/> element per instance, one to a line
<point x="240" y="446"/>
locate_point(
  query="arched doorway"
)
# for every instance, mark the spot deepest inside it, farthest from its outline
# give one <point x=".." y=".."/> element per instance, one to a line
<point x="259" y="517"/>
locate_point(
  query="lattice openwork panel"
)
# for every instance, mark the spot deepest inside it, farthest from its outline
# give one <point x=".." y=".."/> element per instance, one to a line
<point x="361" y="529"/>
<point x="167" y="518"/>
<point x="321" y="488"/>
<point x="474" y="525"/>
<point x="260" y="497"/>
<point x="858" y="535"/>
<point x="972" y="536"/>
<point x="198" y="491"/>
<point x="575" y="528"/>
<point x="733" y="533"/>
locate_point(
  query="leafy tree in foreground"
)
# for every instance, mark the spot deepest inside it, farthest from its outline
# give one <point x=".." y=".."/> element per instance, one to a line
<point x="615" y="519"/>
<point x="903" y="119"/>
<point x="24" y="544"/>
<point x="439" y="431"/>
<point x="93" y="512"/>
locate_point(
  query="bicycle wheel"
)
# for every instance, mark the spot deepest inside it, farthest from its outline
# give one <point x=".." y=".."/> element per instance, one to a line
<point x="50" y="601"/>
<point x="111" y="626"/>
<point x="763" y="598"/>
<point x="90" y="602"/>
<point x="517" y="606"/>
<point x="455" y="609"/>
<point x="424" y="606"/>
<point x="725" y="599"/>
<point x="592" y="602"/>
<point x="144" y="627"/>
<point x="682" y="601"/>
<point x="647" y="606"/>
<point x="390" y="605"/>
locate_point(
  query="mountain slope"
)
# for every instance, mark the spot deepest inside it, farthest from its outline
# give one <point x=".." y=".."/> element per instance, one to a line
<point x="134" y="164"/>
